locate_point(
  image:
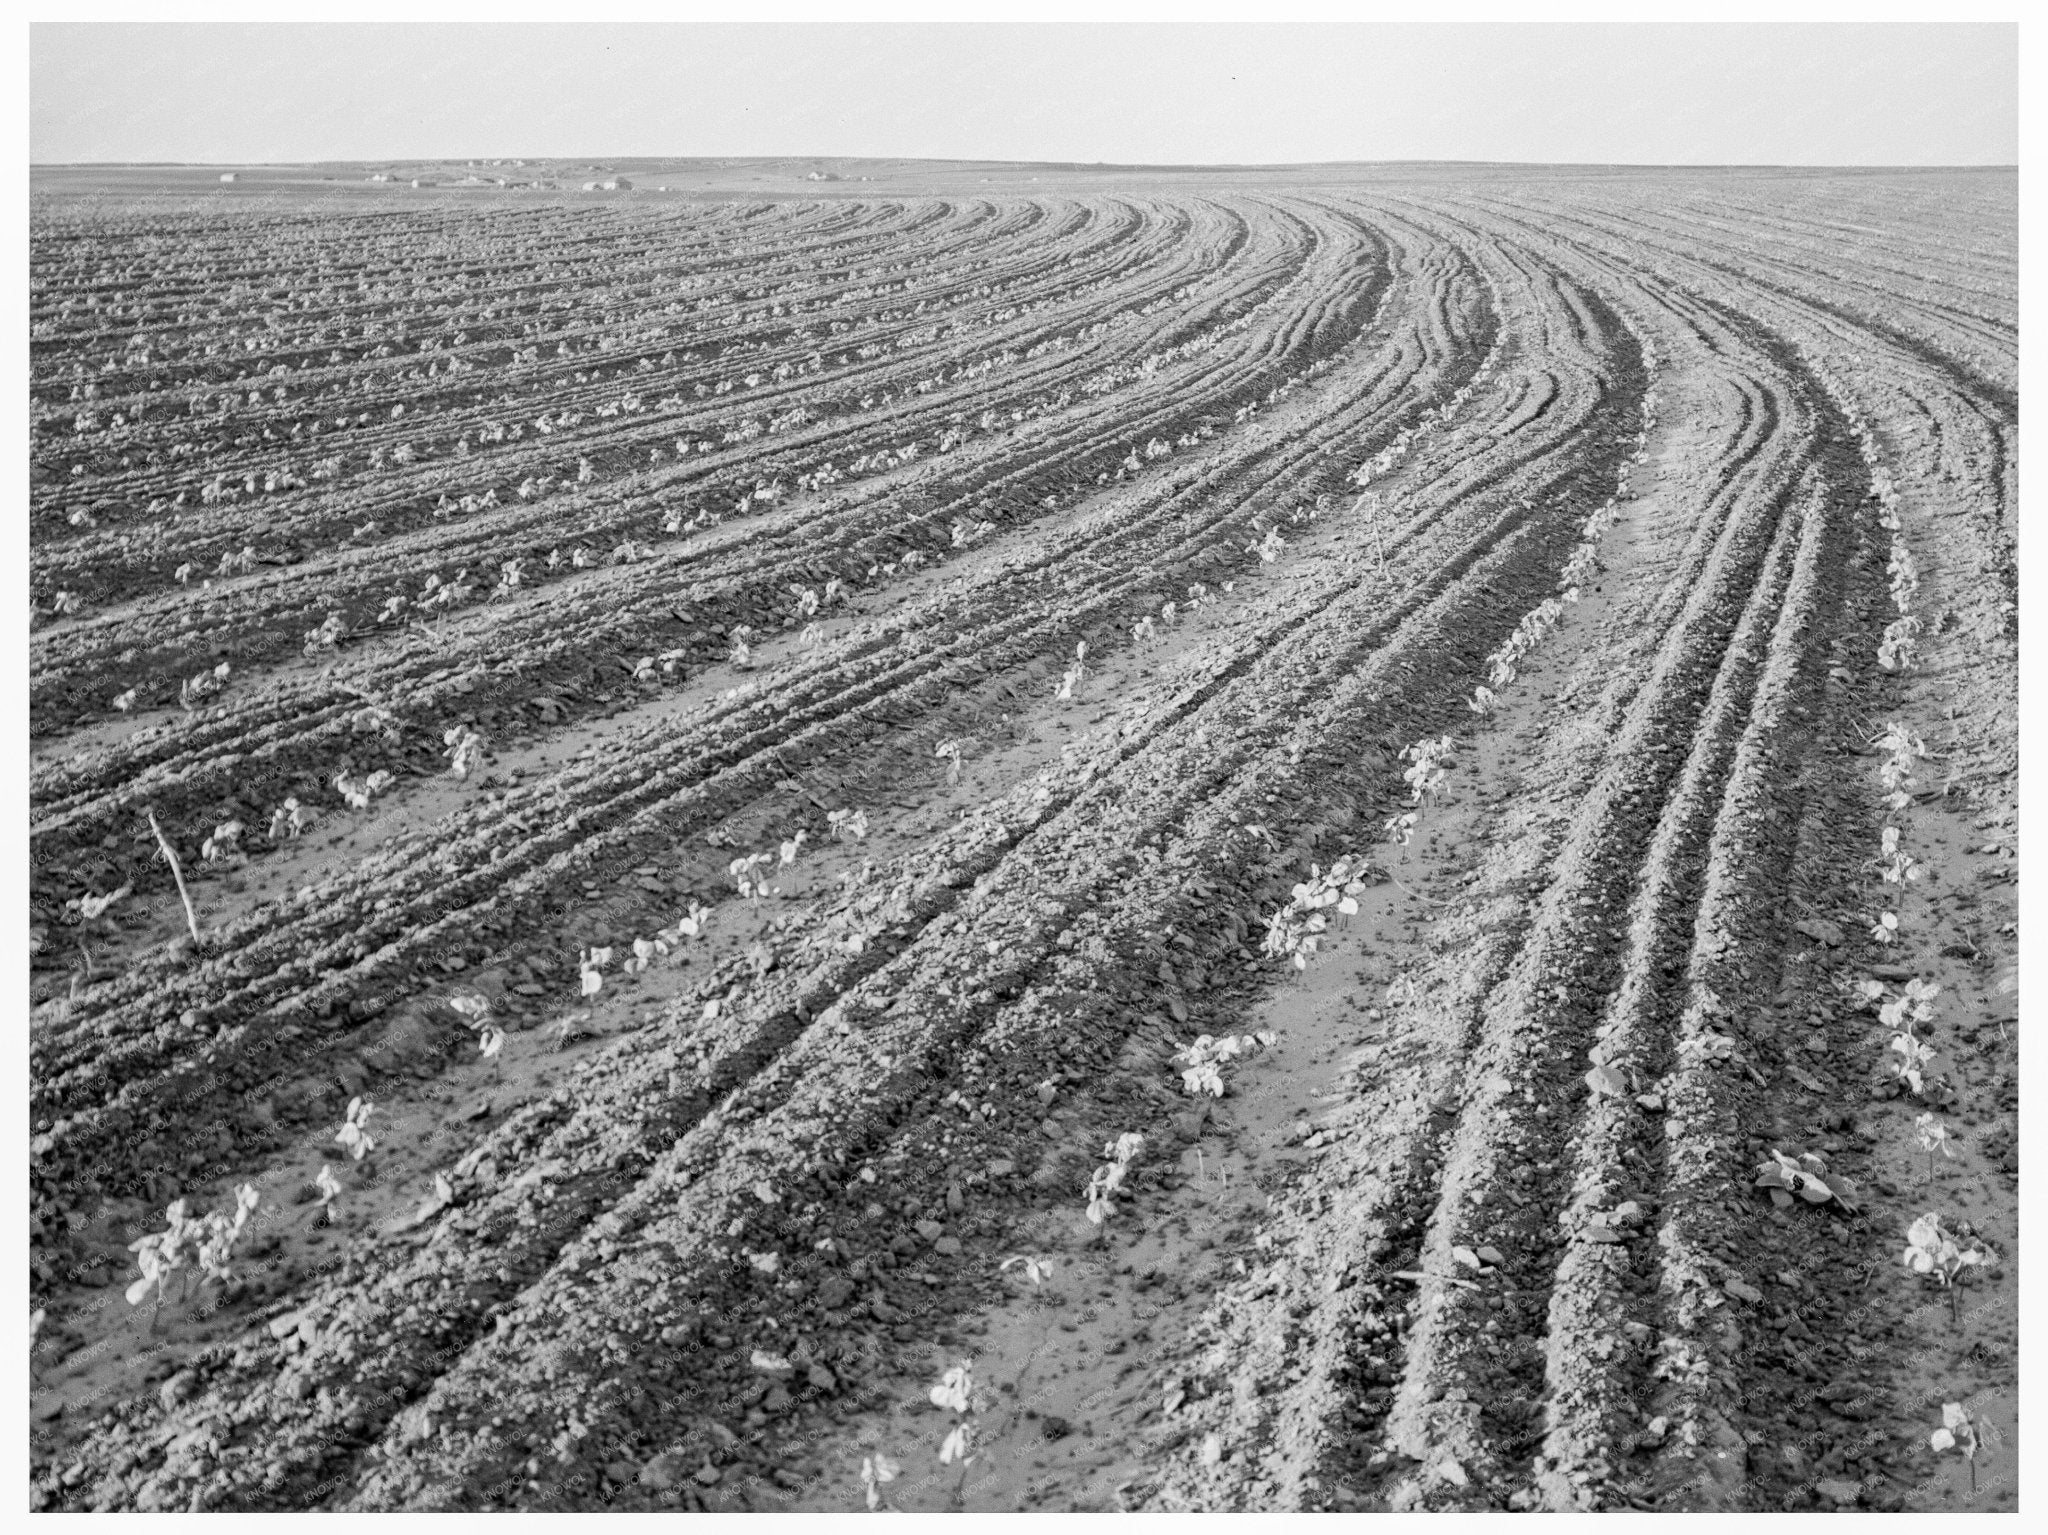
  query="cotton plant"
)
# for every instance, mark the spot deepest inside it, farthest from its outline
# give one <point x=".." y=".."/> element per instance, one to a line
<point x="692" y="925"/>
<point x="845" y="824"/>
<point x="1959" y="1431"/>
<point x="1931" y="1248"/>
<point x="749" y="875"/>
<point x="1804" y="1177"/>
<point x="1894" y="864"/>
<point x="1295" y="931"/>
<point x="358" y="792"/>
<point x="91" y="908"/>
<point x="1035" y="1270"/>
<point x="1886" y="928"/>
<point x="223" y="844"/>
<point x="465" y="749"/>
<point x="354" y="1136"/>
<point x="1108" y="1179"/>
<point x="590" y="965"/>
<point x="876" y="1472"/>
<point x="124" y="701"/>
<point x="289" y="820"/>
<point x="1933" y="1137"/>
<point x="1914" y="1059"/>
<point x="1202" y="1062"/>
<point x="949" y="753"/>
<point x="1425" y="774"/>
<point x="161" y="1255"/>
<point x="194" y="690"/>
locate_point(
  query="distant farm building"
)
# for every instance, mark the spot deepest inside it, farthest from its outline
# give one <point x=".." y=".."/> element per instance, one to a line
<point x="380" y="176"/>
<point x="609" y="184"/>
<point x="229" y="176"/>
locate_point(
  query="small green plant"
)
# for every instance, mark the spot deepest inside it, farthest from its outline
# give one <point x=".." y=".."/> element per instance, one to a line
<point x="330" y="1191"/>
<point x="465" y="749"/>
<point x="353" y="1135"/>
<point x="1426" y="772"/>
<point x="1202" y="1062"/>
<point x="1958" y="1431"/>
<point x="589" y="964"/>
<point x="223" y="844"/>
<point x="1886" y="928"/>
<point x="846" y="824"/>
<point x="1294" y="931"/>
<point x="289" y="820"/>
<point x="749" y="876"/>
<point x="1108" y="1179"/>
<point x="1932" y="1249"/>
<point x="955" y="1392"/>
<point x="358" y="791"/>
<point x="1933" y="1136"/>
<point x="1804" y="1177"/>
<point x="1894" y="864"/>
<point x="194" y="690"/>
<point x="1914" y="1058"/>
<point x="125" y="701"/>
<point x="949" y="753"/>
<point x="1035" y="1270"/>
<point x="876" y="1471"/>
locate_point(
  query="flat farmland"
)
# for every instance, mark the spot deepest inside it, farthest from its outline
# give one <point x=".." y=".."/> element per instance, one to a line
<point x="1327" y="840"/>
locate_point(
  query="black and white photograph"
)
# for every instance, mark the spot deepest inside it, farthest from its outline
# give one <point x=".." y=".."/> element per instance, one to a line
<point x="1057" y="760"/>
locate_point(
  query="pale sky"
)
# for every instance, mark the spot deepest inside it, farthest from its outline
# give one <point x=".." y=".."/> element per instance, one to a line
<point x="1893" y="94"/>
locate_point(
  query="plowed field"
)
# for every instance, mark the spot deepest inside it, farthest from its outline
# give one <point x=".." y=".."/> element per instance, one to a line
<point x="955" y="631"/>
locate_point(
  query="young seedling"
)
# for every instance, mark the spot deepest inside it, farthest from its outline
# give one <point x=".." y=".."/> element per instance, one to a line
<point x="1804" y="1177"/>
<point x="223" y="845"/>
<point x="219" y="1233"/>
<point x="1913" y="1060"/>
<point x="876" y="1471"/>
<point x="589" y="963"/>
<point x="289" y="820"/>
<point x="748" y="875"/>
<point x="352" y="1133"/>
<point x="791" y="846"/>
<point x="465" y="749"/>
<point x="1933" y="1137"/>
<point x="160" y="1255"/>
<point x="1425" y="774"/>
<point x="1914" y="1007"/>
<point x="330" y="1191"/>
<point x="1894" y="864"/>
<point x="359" y="791"/>
<point x="125" y="701"/>
<point x="949" y="752"/>
<point x="1202" y="1062"/>
<point x="1886" y="928"/>
<point x="1958" y="1430"/>
<point x="694" y="922"/>
<point x="848" y="823"/>
<point x="1035" y="1270"/>
<point x="1107" y="1179"/>
<point x="955" y="1391"/>
<point x="1932" y="1249"/>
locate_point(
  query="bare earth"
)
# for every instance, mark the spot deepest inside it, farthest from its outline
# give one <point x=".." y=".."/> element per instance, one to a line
<point x="1648" y="537"/>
